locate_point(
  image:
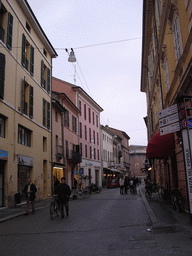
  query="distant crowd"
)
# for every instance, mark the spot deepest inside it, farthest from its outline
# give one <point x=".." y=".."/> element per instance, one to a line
<point x="129" y="183"/>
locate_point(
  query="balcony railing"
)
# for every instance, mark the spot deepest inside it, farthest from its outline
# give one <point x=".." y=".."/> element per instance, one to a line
<point x="74" y="156"/>
<point x="59" y="152"/>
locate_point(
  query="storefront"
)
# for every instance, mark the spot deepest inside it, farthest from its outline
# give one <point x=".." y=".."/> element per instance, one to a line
<point x="25" y="165"/>
<point x="3" y="161"/>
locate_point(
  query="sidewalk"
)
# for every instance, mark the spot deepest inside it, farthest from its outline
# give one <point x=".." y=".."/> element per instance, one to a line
<point x="10" y="213"/>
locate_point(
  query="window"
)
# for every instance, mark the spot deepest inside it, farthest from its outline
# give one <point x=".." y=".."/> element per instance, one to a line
<point x="74" y="124"/>
<point x="2" y="74"/>
<point x="81" y="149"/>
<point x="27" y="55"/>
<point x="66" y="118"/>
<point x="27" y="99"/>
<point x="90" y="151"/>
<point x="44" y="144"/>
<point x="2" y="126"/>
<point x="94" y="136"/>
<point x="85" y="150"/>
<point x="177" y="37"/>
<point x="97" y="138"/>
<point x="9" y="31"/>
<point x="85" y="132"/>
<point x="85" y="112"/>
<point x="45" y="52"/>
<point x="28" y="27"/>
<point x="89" y="115"/>
<point x="56" y="116"/>
<point x="97" y="154"/>
<point x="94" y="153"/>
<point x="97" y="121"/>
<point x="24" y="136"/>
<point x="45" y="77"/>
<point x="67" y="149"/>
<point x="80" y="128"/>
<point x="89" y="134"/>
<point x="93" y="118"/>
<point x="80" y="107"/>
<point x="46" y="114"/>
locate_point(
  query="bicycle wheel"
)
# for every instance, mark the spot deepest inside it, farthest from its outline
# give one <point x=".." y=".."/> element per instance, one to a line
<point x="85" y="194"/>
<point x="99" y="190"/>
<point x="54" y="209"/>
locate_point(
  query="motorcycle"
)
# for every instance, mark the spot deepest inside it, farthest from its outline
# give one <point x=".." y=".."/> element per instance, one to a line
<point x="94" y="188"/>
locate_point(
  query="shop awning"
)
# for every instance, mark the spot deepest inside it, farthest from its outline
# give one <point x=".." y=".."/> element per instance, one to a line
<point x="160" y="146"/>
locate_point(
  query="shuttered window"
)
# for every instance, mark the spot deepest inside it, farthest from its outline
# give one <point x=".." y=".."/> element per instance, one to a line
<point x="48" y="80"/>
<point x="48" y="115"/>
<point x="9" y="31"/>
<point x="32" y="61"/>
<point x="44" y="111"/>
<point x="31" y="102"/>
<point x="2" y="74"/>
<point x="23" y="61"/>
<point x="42" y="74"/>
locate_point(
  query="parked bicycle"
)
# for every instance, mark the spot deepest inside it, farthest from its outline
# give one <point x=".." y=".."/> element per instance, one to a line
<point x="148" y="190"/>
<point x="84" y="193"/>
<point x="54" y="207"/>
<point x="177" y="199"/>
<point x="94" y="188"/>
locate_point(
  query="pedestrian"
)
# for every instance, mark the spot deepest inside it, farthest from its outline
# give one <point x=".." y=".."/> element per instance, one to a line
<point x="30" y="190"/>
<point x="121" y="183"/>
<point x="126" y="184"/>
<point x="56" y="183"/>
<point x="63" y="191"/>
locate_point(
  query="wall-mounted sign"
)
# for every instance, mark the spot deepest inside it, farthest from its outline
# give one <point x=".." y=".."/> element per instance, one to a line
<point x="25" y="160"/>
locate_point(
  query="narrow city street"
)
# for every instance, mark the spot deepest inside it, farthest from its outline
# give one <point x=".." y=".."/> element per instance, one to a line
<point x="105" y="224"/>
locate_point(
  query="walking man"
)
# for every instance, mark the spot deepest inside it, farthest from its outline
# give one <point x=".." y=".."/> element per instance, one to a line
<point x="63" y="191"/>
<point x="121" y="183"/>
<point x="30" y="190"/>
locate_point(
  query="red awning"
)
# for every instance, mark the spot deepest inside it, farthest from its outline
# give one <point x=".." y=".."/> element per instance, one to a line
<point x="160" y="146"/>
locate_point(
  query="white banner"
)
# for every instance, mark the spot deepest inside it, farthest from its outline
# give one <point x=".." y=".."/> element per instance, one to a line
<point x="188" y="165"/>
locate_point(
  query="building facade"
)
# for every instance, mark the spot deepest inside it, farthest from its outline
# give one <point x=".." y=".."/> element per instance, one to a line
<point x="166" y="80"/>
<point x="137" y="160"/>
<point x="25" y="103"/>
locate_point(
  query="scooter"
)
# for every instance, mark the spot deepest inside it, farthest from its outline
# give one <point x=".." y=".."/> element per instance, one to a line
<point x="94" y="188"/>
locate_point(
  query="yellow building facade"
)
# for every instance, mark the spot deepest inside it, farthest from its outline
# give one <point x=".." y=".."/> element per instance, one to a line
<point x="25" y="103"/>
<point x="166" y="79"/>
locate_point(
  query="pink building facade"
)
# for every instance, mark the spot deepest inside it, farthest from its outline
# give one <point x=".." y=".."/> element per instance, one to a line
<point x="88" y="130"/>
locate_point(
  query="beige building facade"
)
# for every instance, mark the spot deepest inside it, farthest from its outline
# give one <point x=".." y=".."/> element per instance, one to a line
<point x="25" y="103"/>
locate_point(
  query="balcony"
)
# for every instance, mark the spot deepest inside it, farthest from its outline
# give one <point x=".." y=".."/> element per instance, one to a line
<point x="74" y="156"/>
<point x="2" y="34"/>
<point x="59" y="152"/>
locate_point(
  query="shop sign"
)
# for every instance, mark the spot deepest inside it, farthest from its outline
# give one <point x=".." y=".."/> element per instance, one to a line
<point x="188" y="163"/>
<point x="81" y="171"/>
<point x="3" y="155"/>
<point x="88" y="164"/>
<point x="25" y="160"/>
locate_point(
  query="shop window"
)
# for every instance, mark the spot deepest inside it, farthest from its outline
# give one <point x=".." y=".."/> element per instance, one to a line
<point x="27" y="55"/>
<point x="24" y="136"/>
<point x="45" y="77"/>
<point x="27" y="99"/>
<point x="46" y="114"/>
<point x="2" y="126"/>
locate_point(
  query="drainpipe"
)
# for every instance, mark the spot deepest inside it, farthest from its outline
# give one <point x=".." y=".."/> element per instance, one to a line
<point x="62" y="135"/>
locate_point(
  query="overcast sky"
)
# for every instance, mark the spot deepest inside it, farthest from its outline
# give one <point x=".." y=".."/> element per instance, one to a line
<point x="106" y="36"/>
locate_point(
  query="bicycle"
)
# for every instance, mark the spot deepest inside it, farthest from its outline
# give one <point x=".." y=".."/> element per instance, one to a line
<point x="177" y="199"/>
<point x="148" y="191"/>
<point x="54" y="207"/>
<point x="84" y="193"/>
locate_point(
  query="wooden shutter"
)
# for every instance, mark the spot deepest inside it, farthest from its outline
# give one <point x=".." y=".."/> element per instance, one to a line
<point x="44" y="108"/>
<point x="23" y="96"/>
<point x="23" y="50"/>
<point x="2" y="74"/>
<point x="32" y="61"/>
<point x="31" y="102"/>
<point x="9" y="31"/>
<point x="48" y="80"/>
<point x="48" y="115"/>
<point x="42" y="73"/>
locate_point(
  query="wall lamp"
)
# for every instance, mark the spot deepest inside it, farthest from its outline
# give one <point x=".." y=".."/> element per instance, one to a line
<point x="71" y="55"/>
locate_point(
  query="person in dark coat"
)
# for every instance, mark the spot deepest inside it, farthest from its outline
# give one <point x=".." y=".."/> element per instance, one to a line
<point x="30" y="190"/>
<point x="56" y="183"/>
<point x="63" y="191"/>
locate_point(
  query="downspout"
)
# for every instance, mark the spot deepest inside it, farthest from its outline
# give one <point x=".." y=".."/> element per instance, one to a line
<point x="62" y="135"/>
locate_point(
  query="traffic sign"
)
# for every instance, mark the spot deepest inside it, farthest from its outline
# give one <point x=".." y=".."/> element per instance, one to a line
<point x="170" y="128"/>
<point x="169" y="120"/>
<point x="168" y="111"/>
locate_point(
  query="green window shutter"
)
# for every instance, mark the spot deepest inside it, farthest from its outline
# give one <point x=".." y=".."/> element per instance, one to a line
<point x="9" y="31"/>
<point x="23" y="50"/>
<point x="32" y="61"/>
<point x="2" y="74"/>
<point x="23" y="95"/>
<point x="31" y="102"/>
<point x="48" y="80"/>
<point x="48" y="115"/>
<point x="42" y="74"/>
<point x="44" y="108"/>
